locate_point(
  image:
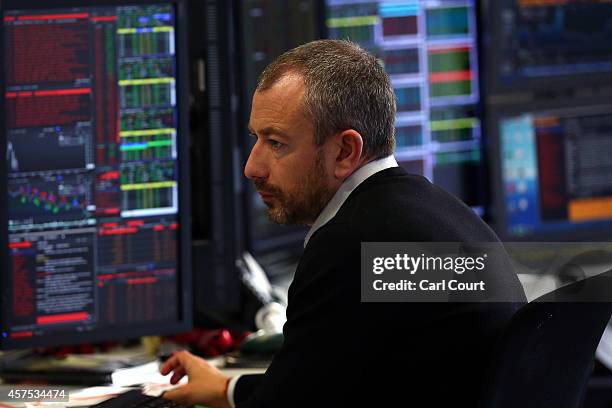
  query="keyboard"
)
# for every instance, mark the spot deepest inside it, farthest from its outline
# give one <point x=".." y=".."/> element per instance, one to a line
<point x="136" y="399"/>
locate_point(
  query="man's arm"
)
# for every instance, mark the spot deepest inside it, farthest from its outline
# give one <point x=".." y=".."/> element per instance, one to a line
<point x="322" y="314"/>
<point x="244" y="386"/>
<point x="322" y="321"/>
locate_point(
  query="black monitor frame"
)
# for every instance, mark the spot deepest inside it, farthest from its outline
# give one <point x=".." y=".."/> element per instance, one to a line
<point x="184" y="322"/>
<point x="279" y="237"/>
<point x="219" y="239"/>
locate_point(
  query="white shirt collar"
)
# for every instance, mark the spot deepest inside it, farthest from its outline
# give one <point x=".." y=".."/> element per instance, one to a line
<point x="350" y="184"/>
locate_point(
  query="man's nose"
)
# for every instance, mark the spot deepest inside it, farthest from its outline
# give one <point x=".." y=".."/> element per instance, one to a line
<point x="256" y="167"/>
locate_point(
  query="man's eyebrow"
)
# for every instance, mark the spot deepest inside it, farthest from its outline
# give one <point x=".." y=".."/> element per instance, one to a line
<point x="270" y="130"/>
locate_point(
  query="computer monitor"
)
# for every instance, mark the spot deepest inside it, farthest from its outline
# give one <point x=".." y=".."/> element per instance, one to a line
<point x="534" y="44"/>
<point x="217" y="223"/>
<point x="95" y="216"/>
<point x="430" y="50"/>
<point x="547" y="68"/>
<point x="553" y="172"/>
<point x="267" y="29"/>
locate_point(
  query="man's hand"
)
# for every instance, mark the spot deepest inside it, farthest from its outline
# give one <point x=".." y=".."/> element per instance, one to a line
<point x="206" y="385"/>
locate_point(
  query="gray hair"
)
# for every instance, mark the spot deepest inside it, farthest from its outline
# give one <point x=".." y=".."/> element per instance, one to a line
<point x="345" y="88"/>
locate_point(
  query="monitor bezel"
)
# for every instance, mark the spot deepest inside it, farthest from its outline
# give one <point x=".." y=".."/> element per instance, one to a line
<point x="184" y="321"/>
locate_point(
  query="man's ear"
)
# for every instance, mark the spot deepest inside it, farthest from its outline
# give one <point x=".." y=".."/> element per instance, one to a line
<point x="348" y="151"/>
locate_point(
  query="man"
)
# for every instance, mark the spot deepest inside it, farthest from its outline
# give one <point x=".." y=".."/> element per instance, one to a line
<point x="323" y="119"/>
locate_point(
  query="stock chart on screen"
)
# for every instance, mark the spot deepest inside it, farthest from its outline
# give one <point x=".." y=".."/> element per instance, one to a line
<point x="429" y="49"/>
<point x="91" y="125"/>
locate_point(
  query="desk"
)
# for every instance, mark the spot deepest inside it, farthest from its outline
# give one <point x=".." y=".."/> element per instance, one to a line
<point x="91" y="393"/>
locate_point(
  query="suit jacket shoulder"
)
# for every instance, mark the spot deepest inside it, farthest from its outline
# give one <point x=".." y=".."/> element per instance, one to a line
<point x="339" y="351"/>
<point x="393" y="205"/>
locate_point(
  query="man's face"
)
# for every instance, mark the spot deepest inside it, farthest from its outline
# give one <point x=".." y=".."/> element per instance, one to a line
<point x="289" y="171"/>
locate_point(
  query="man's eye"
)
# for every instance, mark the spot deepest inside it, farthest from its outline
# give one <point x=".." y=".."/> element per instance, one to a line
<point x="275" y="144"/>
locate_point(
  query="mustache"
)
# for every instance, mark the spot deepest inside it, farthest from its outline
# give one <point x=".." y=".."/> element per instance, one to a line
<point x="264" y="187"/>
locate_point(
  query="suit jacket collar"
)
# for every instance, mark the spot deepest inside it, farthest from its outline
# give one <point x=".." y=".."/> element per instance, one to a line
<point x="356" y="180"/>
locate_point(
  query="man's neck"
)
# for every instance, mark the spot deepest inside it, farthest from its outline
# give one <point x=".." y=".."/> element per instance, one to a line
<point x="346" y="188"/>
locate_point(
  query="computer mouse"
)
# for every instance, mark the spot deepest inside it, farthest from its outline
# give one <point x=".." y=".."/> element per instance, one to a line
<point x="261" y="342"/>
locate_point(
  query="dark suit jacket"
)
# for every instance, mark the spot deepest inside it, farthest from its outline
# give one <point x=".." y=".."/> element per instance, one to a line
<point x="340" y="352"/>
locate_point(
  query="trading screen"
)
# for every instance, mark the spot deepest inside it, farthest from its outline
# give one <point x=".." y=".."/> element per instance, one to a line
<point x="548" y="38"/>
<point x="429" y="49"/>
<point x="91" y="125"/>
<point x="556" y="171"/>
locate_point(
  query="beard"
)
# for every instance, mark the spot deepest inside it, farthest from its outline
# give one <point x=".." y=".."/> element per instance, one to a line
<point x="303" y="205"/>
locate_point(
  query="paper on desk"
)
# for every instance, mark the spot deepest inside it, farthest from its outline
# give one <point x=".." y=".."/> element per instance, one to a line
<point x="140" y="375"/>
<point x="156" y="390"/>
<point x="146" y="375"/>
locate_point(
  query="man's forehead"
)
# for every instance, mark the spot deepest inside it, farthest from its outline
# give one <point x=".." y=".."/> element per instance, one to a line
<point x="289" y="85"/>
<point x="279" y="106"/>
<point x="290" y="79"/>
